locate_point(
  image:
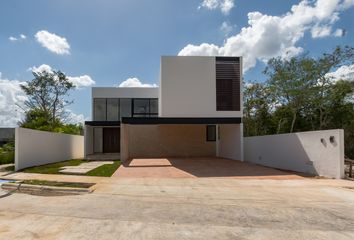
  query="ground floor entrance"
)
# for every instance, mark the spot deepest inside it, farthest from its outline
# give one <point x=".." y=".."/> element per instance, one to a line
<point x="102" y="140"/>
<point x="111" y="140"/>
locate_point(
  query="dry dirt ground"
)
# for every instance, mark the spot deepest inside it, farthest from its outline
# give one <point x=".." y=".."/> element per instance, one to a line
<point x="186" y="208"/>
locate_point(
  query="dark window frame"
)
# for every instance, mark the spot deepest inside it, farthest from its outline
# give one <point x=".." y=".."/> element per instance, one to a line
<point x="149" y="114"/>
<point x="212" y="128"/>
<point x="132" y="113"/>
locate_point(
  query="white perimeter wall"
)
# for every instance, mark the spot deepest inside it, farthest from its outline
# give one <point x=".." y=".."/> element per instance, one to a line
<point x="230" y="144"/>
<point x="188" y="88"/>
<point x="301" y="152"/>
<point x="33" y="148"/>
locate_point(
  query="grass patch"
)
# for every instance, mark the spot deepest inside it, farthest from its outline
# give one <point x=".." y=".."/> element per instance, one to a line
<point x="58" y="184"/>
<point x="8" y="169"/>
<point x="53" y="168"/>
<point x="104" y="171"/>
<point x="7" y="157"/>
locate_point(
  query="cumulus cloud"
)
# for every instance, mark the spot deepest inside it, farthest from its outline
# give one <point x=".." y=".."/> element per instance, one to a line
<point x="224" y="5"/>
<point x="53" y="42"/>
<point x="226" y="28"/>
<point x="345" y="72"/>
<point x="82" y="81"/>
<point x="75" y="118"/>
<point x="12" y="100"/>
<point x="79" y="81"/>
<point x="321" y="31"/>
<point x="268" y="36"/>
<point x="135" y="82"/>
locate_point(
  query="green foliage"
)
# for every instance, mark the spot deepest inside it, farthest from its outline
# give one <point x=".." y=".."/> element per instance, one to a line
<point x="299" y="95"/>
<point x="46" y="103"/>
<point x="7" y="153"/>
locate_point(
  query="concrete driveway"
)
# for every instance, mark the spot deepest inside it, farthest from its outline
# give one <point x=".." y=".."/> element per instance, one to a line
<point x="186" y="208"/>
<point x="202" y="167"/>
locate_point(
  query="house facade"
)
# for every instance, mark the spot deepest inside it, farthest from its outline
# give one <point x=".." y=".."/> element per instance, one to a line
<point x="195" y="112"/>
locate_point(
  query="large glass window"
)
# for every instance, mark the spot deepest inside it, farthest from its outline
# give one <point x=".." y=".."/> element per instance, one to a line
<point x="99" y="109"/>
<point x="154" y="105"/>
<point x="125" y="107"/>
<point x="112" y="109"/>
<point x="141" y="107"/>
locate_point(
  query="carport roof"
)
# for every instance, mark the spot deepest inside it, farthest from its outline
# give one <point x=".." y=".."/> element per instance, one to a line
<point x="169" y="120"/>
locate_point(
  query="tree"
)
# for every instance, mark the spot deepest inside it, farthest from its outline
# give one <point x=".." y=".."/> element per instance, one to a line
<point x="46" y="99"/>
<point x="258" y="103"/>
<point x="290" y="81"/>
<point x="46" y="103"/>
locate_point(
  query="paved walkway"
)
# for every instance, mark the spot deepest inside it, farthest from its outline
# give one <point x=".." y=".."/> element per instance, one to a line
<point x="84" y="167"/>
<point x="186" y="208"/>
<point x="199" y="167"/>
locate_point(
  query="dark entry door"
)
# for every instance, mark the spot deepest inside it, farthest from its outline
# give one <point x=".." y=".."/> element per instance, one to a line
<point x="111" y="140"/>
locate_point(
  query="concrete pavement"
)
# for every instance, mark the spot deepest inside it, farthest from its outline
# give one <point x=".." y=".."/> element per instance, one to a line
<point x="188" y="208"/>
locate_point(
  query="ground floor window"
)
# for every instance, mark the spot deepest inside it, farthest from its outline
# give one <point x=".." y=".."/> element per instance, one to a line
<point x="211" y="133"/>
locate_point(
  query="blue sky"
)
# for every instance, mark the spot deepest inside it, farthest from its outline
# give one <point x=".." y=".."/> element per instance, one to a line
<point x="110" y="41"/>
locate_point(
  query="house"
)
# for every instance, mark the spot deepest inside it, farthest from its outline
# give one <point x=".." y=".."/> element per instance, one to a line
<point x="195" y="112"/>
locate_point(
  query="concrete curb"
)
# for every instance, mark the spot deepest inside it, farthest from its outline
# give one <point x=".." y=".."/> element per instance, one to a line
<point x="43" y="190"/>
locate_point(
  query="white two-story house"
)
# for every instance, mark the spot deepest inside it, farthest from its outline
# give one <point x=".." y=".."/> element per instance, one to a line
<point x="195" y="112"/>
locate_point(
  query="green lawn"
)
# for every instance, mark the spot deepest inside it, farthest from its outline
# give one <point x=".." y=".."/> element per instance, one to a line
<point x="58" y="184"/>
<point x="104" y="171"/>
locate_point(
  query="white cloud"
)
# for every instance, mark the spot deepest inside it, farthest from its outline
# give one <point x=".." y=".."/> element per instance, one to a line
<point x="41" y="68"/>
<point x="79" y="81"/>
<point x="12" y="100"/>
<point x="339" y="32"/>
<point x="53" y="42"/>
<point x="269" y="36"/>
<point x="224" y="5"/>
<point x="12" y="39"/>
<point x="82" y="81"/>
<point x="226" y="28"/>
<point x="135" y="82"/>
<point x="75" y="118"/>
<point x="321" y="31"/>
<point x="343" y="73"/>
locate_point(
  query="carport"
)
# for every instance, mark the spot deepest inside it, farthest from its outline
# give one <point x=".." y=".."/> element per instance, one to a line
<point x="181" y="138"/>
<point x="201" y="167"/>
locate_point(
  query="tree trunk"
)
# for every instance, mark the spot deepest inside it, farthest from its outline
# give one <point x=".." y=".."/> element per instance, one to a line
<point x="293" y="122"/>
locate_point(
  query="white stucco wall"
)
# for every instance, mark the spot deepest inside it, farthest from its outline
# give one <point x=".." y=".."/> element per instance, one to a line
<point x="230" y="144"/>
<point x="33" y="148"/>
<point x="88" y="140"/>
<point x="188" y="88"/>
<point x="301" y="152"/>
<point x="132" y="92"/>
